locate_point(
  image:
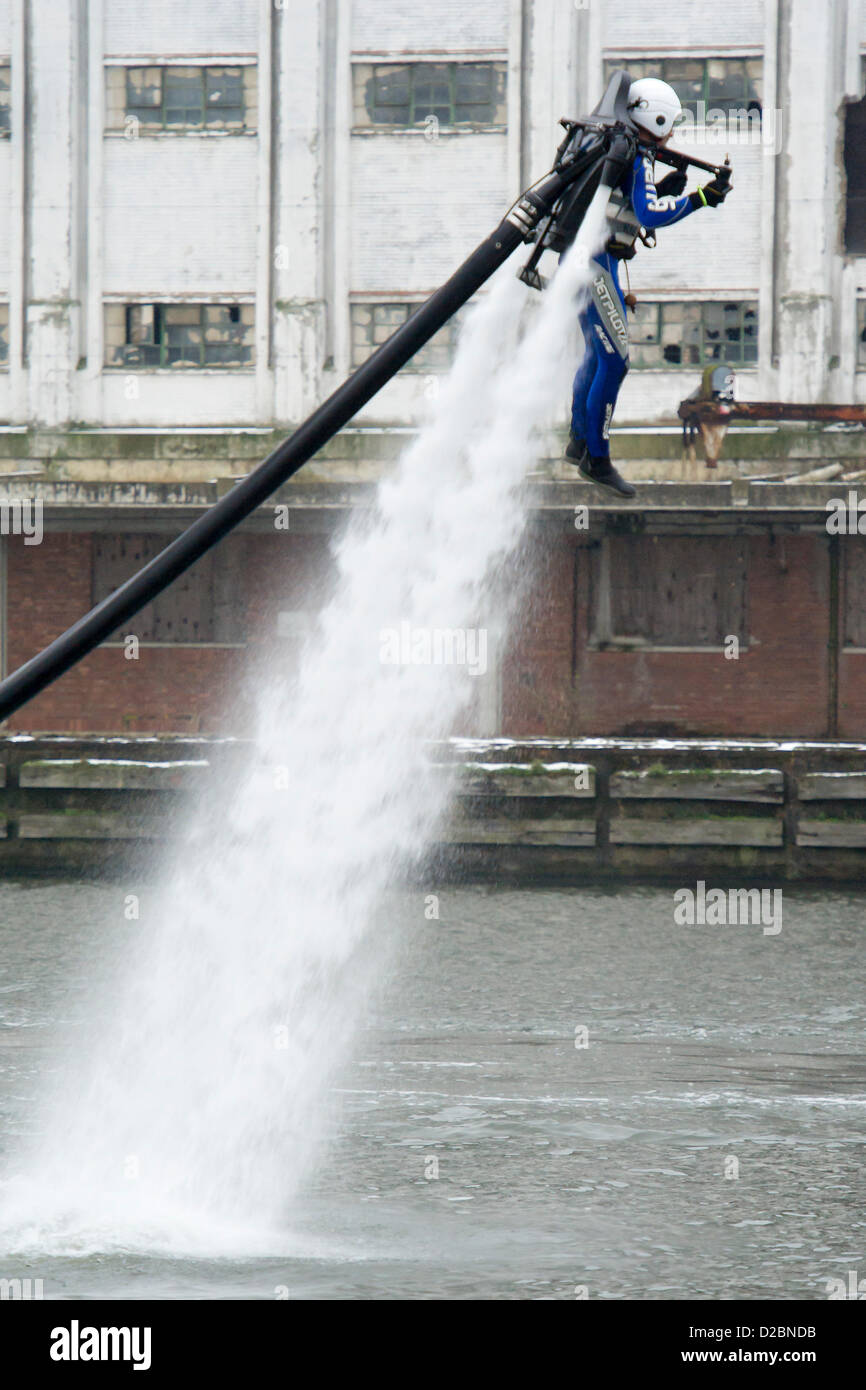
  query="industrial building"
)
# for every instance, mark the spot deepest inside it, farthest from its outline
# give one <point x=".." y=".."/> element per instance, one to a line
<point x="233" y="203"/>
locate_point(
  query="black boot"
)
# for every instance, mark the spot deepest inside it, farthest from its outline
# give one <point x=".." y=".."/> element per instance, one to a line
<point x="576" y="450"/>
<point x="599" y="469"/>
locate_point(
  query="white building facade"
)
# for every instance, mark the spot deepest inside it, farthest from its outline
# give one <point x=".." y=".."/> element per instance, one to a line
<point x="211" y="212"/>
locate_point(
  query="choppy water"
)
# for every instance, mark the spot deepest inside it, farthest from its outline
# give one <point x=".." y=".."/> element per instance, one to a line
<point x="558" y="1166"/>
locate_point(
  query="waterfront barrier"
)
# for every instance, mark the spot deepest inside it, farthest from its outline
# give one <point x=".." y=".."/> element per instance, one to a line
<point x="537" y="809"/>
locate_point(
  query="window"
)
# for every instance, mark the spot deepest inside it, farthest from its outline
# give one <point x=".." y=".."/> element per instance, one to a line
<point x="689" y="334"/>
<point x="174" y="98"/>
<point x="668" y="591"/>
<point x="179" y="335"/>
<point x="4" y="335"/>
<point x="372" y="324"/>
<point x="855" y="176"/>
<point x="702" y="84"/>
<point x="204" y="605"/>
<point x="5" y="100"/>
<point x="408" y="94"/>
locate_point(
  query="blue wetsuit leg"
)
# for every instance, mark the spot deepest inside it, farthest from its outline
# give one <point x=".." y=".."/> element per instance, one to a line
<point x="604" y="365"/>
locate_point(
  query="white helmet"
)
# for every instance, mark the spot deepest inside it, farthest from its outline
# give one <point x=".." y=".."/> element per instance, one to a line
<point x="653" y="105"/>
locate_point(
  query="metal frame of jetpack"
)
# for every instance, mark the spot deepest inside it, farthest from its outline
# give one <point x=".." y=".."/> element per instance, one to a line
<point x="605" y="141"/>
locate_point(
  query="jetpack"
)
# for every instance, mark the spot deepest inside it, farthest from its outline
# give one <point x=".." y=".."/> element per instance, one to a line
<point x="590" y="148"/>
<point x="597" y="150"/>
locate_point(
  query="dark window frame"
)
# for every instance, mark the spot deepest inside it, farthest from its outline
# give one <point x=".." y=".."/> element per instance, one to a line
<point x="417" y="112"/>
<point x="159" y="352"/>
<point x="157" y="115"/>
<point x="747" y="318"/>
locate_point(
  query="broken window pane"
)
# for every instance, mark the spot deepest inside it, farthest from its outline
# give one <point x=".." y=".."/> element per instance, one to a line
<point x="142" y="336"/>
<point x="389" y="94"/>
<point x="227" y="340"/>
<point x="644" y="323"/>
<point x="224" y="96"/>
<point x="179" y="335"/>
<point x="183" y="96"/>
<point x="695" y="333"/>
<point x="172" y="97"/>
<point x="144" y="93"/>
<point x="182" y="335"/>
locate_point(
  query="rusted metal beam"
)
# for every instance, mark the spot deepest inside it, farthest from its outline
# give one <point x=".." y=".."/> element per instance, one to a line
<point x="711" y="418"/>
<point x="718" y="411"/>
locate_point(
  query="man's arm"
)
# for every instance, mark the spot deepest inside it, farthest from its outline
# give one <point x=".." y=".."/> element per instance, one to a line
<point x="653" y="208"/>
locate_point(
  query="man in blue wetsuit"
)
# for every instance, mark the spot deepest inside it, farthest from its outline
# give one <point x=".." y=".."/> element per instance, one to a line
<point x="638" y="203"/>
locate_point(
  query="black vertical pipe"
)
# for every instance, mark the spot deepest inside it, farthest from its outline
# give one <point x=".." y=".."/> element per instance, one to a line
<point x="289" y="456"/>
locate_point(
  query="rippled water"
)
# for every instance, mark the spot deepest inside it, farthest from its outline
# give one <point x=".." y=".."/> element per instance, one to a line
<point x="560" y="1167"/>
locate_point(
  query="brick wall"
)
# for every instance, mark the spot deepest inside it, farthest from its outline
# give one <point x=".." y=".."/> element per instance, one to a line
<point x="167" y="689"/>
<point x="555" y="684"/>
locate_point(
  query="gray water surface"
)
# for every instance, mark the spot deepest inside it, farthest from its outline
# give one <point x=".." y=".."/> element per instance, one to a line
<point x="480" y="1153"/>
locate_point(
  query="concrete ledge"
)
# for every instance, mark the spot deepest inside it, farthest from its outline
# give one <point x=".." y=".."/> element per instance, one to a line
<point x="117" y="489"/>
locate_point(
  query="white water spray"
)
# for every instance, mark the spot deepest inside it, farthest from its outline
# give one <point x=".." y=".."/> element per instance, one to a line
<point x="195" y="1114"/>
